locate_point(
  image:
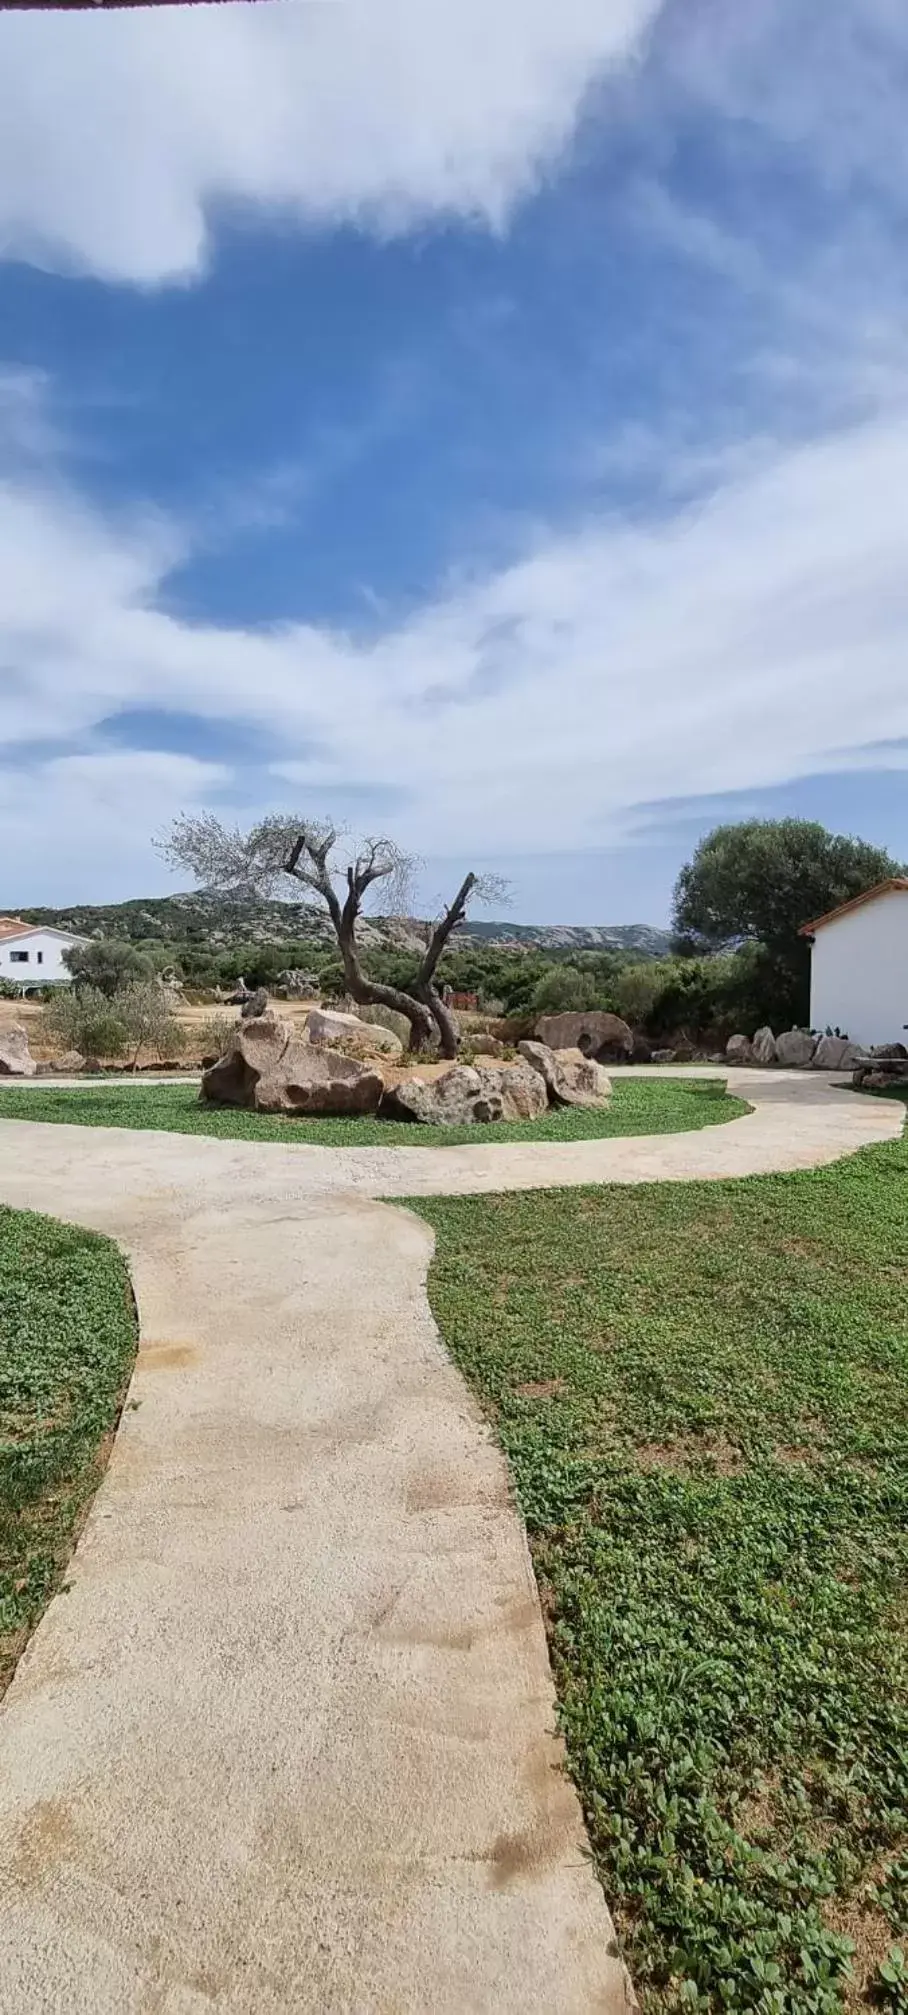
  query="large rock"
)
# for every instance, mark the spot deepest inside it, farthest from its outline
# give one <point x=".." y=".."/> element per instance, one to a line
<point x="254" y="1051"/>
<point x="795" y="1048"/>
<point x="15" y="1057"/>
<point x="570" y="1078"/>
<point x="764" y="1046"/>
<point x="522" y="1091"/>
<point x="327" y="1025"/>
<point x="322" y="1083"/>
<point x="460" y="1096"/>
<point x="739" y="1051"/>
<point x="835" y="1052"/>
<point x="70" y="1064"/>
<point x="596" y="1034"/>
<point x="386" y="1018"/>
<point x="267" y="1069"/>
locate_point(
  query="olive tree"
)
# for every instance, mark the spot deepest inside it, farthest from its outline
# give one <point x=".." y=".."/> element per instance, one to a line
<point x="345" y="880"/>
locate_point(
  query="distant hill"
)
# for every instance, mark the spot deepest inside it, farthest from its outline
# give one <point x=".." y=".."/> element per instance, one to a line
<point x="217" y="923"/>
<point x="642" y="938"/>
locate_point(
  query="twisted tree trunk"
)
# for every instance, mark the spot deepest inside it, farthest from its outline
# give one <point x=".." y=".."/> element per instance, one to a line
<point x="424" y="986"/>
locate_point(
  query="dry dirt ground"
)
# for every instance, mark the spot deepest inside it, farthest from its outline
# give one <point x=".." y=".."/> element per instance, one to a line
<point x="193" y="1020"/>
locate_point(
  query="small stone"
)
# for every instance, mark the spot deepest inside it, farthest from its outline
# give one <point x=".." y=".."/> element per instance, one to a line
<point x="738" y="1051"/>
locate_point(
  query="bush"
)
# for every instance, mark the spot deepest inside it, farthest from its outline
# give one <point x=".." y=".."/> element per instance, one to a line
<point x="212" y="1037"/>
<point x="149" y="1020"/>
<point x="106" y="965"/>
<point x="137" y="1017"/>
<point x="565" y="990"/>
<point x="86" y="1020"/>
<point x="636" y="990"/>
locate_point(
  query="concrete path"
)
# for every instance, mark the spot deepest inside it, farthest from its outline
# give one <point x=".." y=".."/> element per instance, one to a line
<point x="286" y="1743"/>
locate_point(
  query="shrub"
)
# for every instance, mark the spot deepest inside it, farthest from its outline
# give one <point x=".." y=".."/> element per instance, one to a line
<point x="86" y="1020"/>
<point x="149" y="1020"/>
<point x="636" y="990"/>
<point x="212" y="1037"/>
<point x="565" y="990"/>
<point x="107" y="965"/>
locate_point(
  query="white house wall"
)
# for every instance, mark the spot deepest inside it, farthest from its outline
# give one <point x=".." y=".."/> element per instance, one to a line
<point x="35" y="971"/>
<point x="859" y="971"/>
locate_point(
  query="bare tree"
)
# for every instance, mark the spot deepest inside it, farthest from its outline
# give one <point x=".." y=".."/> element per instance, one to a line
<point x="254" y="863"/>
<point x="474" y="888"/>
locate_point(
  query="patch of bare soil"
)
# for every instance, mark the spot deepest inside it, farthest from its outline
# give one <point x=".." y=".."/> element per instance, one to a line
<point x="691" y="1452"/>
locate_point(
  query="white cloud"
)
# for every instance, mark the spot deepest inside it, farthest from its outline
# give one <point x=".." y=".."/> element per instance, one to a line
<point x="119" y="129"/>
<point x="81" y="823"/>
<point x="732" y="645"/>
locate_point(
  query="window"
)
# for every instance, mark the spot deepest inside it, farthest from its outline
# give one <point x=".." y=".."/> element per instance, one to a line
<point x="40" y="958"/>
<point x="18" y="958"/>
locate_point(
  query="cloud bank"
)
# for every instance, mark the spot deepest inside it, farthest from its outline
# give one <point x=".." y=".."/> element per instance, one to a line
<point x="119" y="131"/>
<point x="734" y="644"/>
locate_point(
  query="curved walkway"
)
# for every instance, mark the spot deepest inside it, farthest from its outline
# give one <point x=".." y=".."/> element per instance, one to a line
<point x="286" y="1741"/>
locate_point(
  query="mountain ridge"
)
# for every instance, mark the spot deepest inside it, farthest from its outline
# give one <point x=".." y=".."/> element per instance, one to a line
<point x="220" y="922"/>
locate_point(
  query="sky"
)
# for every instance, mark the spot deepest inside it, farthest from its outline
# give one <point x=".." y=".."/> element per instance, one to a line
<point x="487" y="425"/>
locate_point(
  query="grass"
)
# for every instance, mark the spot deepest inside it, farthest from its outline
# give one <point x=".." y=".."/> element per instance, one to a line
<point x="702" y="1391"/>
<point x="644" y="1106"/>
<point x="67" y="1342"/>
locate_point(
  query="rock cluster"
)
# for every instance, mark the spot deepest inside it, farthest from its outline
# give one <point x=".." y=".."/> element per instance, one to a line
<point x="795" y="1049"/>
<point x="268" y="1068"/>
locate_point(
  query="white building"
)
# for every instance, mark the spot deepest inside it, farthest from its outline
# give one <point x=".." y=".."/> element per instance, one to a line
<point x="31" y="955"/>
<point x="859" y="966"/>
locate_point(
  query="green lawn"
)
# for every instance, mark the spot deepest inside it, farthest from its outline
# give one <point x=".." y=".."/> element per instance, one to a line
<point x="640" y="1106"/>
<point x="702" y="1390"/>
<point x="67" y="1342"/>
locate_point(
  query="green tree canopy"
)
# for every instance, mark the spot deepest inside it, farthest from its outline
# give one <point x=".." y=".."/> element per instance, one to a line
<point x="759" y="881"/>
<point x="107" y="964"/>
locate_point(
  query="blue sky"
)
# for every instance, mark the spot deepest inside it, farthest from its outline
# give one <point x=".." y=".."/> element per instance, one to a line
<point x="488" y="425"/>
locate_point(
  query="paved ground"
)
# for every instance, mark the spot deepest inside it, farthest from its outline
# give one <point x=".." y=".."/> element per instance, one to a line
<point x="286" y="1742"/>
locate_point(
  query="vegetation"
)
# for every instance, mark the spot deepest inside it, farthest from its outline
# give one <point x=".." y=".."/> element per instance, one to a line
<point x="702" y="1390"/>
<point x="737" y="963"/>
<point x="67" y="1341"/>
<point x="760" y="880"/>
<point x="208" y="920"/>
<point x="86" y="1020"/>
<point x="135" y="1018"/>
<point x="646" y="1106"/>
<point x="107" y="965"/>
<point x="312" y="853"/>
